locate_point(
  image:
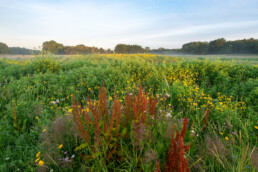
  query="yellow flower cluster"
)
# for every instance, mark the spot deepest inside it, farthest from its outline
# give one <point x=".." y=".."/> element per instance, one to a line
<point x="40" y="162"/>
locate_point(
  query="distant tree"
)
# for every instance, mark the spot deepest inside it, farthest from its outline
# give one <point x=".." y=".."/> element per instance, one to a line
<point x="108" y="51"/>
<point x="221" y="46"/>
<point x="147" y="49"/>
<point x="217" y="46"/>
<point x="53" y="47"/>
<point x="256" y="47"/>
<point x="161" y="49"/>
<point x="121" y="48"/>
<point x="130" y="49"/>
<point x="196" y="47"/>
<point x="101" y="51"/>
<point x="3" y="48"/>
<point x="23" y="51"/>
<point x="82" y="49"/>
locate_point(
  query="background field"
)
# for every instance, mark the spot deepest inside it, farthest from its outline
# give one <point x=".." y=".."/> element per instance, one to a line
<point x="241" y="58"/>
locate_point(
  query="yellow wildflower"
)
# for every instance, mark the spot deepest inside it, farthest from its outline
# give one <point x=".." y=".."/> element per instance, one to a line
<point x="44" y="130"/>
<point x="220" y="133"/>
<point x="60" y="146"/>
<point x="37" y="117"/>
<point x="70" y="110"/>
<point x="41" y="162"/>
<point x="256" y="127"/>
<point x="37" y="160"/>
<point x="226" y="138"/>
<point x="38" y="154"/>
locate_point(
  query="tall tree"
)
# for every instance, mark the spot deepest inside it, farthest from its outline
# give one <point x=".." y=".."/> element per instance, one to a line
<point x="121" y="48"/>
<point x="3" y="48"/>
<point x="147" y="49"/>
<point x="53" y="47"/>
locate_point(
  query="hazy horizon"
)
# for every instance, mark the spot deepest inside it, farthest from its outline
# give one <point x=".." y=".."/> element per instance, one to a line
<point x="152" y="23"/>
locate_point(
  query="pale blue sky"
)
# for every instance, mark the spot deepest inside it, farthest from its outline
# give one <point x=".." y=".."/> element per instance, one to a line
<point x="103" y="23"/>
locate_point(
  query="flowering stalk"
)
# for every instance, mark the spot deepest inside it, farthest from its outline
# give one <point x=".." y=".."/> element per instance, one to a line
<point x="176" y="160"/>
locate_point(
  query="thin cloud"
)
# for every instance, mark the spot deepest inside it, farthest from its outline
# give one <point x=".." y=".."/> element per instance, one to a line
<point x="154" y="23"/>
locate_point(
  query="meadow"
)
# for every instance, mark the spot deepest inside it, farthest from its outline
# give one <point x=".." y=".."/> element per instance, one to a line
<point x="120" y="112"/>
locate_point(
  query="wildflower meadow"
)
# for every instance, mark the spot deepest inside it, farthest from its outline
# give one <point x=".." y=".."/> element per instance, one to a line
<point x="128" y="112"/>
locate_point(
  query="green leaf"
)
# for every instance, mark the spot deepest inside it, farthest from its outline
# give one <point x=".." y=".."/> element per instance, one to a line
<point x="82" y="146"/>
<point x="114" y="139"/>
<point x="124" y="131"/>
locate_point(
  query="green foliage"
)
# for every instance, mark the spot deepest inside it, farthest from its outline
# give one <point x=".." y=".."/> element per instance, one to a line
<point x="3" y="48"/>
<point x="57" y="48"/>
<point x="44" y="64"/>
<point x="221" y="46"/>
<point x="196" y="47"/>
<point x="53" y="47"/>
<point x="128" y="49"/>
<point x="41" y="90"/>
<point x="22" y="51"/>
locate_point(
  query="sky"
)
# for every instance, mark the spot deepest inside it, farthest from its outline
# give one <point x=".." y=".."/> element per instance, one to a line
<point x="105" y="23"/>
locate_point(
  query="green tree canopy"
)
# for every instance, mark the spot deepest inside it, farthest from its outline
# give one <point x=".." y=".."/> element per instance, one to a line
<point x="196" y="47"/>
<point x="3" y="48"/>
<point x="124" y="48"/>
<point x="53" y="47"/>
<point x="221" y="46"/>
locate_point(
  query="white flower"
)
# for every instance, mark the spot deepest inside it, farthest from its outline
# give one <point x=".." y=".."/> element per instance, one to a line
<point x="7" y="158"/>
<point x="168" y="115"/>
<point x="192" y="131"/>
<point x="73" y="156"/>
<point x="57" y="101"/>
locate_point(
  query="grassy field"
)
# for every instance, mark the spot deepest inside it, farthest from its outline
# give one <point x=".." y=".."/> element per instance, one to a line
<point x="235" y="58"/>
<point x="238" y="58"/>
<point x="128" y="113"/>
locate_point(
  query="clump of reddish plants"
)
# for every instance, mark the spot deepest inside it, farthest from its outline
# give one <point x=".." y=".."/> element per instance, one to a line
<point x="98" y="125"/>
<point x="206" y="118"/>
<point x="97" y="118"/>
<point x="157" y="167"/>
<point x="176" y="160"/>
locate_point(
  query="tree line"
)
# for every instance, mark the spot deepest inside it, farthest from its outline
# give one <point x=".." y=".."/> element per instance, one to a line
<point x="218" y="46"/>
<point x="129" y="49"/>
<point x="58" y="48"/>
<point x="4" y="49"/>
<point x="221" y="46"/>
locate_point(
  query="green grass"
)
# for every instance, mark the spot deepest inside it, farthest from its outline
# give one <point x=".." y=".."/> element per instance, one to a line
<point x="184" y="87"/>
<point x="247" y="59"/>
